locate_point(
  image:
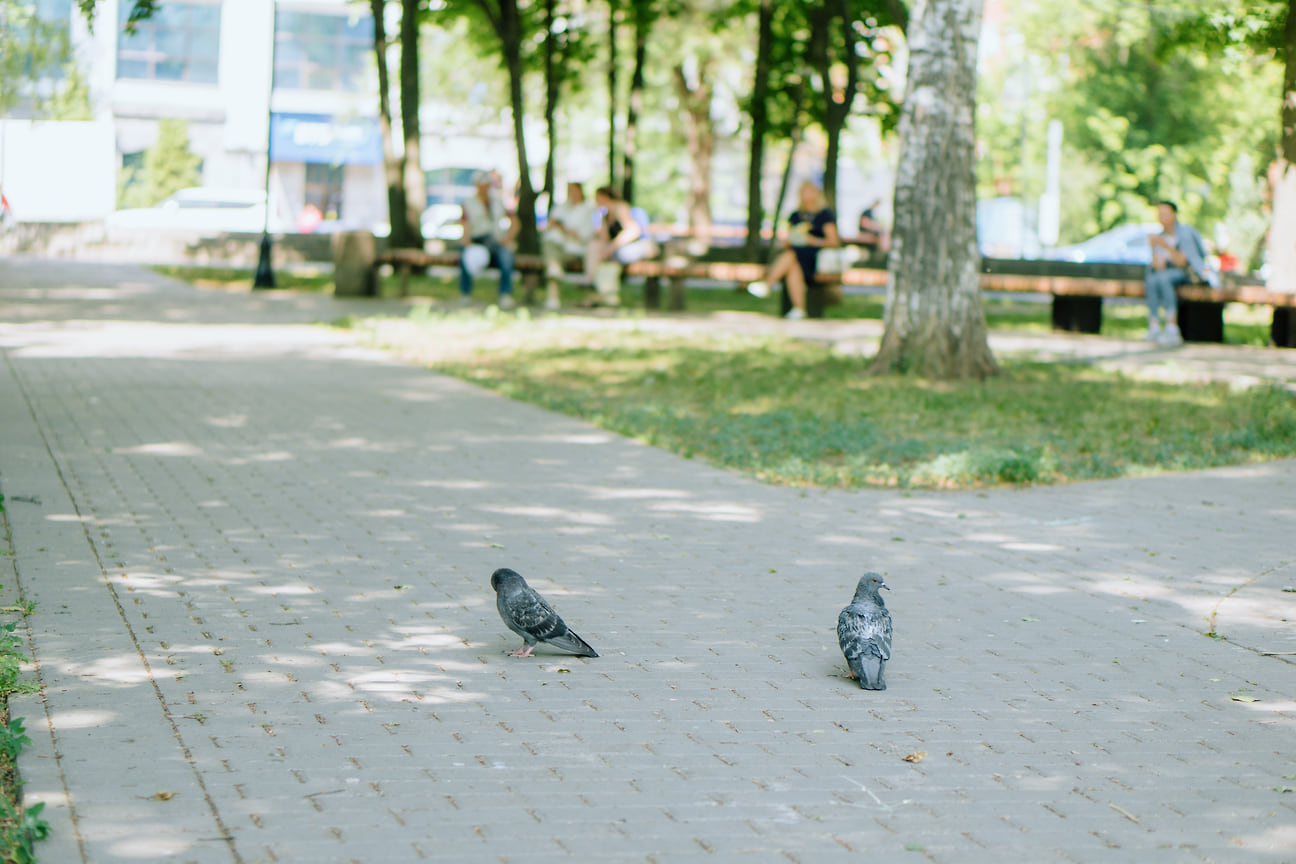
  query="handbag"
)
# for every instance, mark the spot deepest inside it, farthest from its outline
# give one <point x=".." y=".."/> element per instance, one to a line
<point x="830" y="260"/>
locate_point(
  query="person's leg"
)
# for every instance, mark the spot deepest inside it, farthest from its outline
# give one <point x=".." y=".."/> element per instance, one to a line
<point x="502" y="256"/>
<point x="796" y="287"/>
<point x="1152" y="290"/>
<point x="1174" y="277"/>
<point x="552" y="252"/>
<point x="465" y="278"/>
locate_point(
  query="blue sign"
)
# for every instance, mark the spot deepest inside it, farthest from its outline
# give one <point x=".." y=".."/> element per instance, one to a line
<point x="325" y="140"/>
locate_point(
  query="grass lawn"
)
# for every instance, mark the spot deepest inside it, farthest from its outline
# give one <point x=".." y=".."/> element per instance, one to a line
<point x="791" y="412"/>
<point x="795" y="413"/>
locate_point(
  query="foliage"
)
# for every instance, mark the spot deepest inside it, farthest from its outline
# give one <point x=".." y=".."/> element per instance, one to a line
<point x="795" y="413"/>
<point x="169" y="166"/>
<point x="31" y="49"/>
<point x="1157" y="101"/>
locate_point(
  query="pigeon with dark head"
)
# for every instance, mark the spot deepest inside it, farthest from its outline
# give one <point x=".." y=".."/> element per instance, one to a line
<point x="864" y="633"/>
<point x="528" y="614"/>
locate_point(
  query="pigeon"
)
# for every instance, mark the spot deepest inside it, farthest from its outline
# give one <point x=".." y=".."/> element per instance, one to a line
<point x="864" y="632"/>
<point x="528" y="614"/>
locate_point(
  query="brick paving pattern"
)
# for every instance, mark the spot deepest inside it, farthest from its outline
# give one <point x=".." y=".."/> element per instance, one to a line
<point x="261" y="557"/>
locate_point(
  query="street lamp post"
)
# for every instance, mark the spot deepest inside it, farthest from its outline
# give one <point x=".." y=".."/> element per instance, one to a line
<point x="265" y="277"/>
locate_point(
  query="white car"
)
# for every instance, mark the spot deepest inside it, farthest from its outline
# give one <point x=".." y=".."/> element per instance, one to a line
<point x="201" y="209"/>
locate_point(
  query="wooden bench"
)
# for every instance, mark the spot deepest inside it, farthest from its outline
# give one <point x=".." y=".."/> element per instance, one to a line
<point x="1076" y="299"/>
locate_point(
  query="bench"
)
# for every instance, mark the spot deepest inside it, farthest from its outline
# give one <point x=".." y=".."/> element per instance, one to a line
<point x="1076" y="299"/>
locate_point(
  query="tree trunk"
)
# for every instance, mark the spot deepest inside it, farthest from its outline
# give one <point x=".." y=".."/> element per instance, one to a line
<point x="552" y="91"/>
<point x="415" y="179"/>
<point x="612" y="93"/>
<point x="393" y="164"/>
<point x="838" y="104"/>
<point x="759" y="128"/>
<point x="798" y="94"/>
<point x="642" y="27"/>
<point x="699" y="133"/>
<point x="935" y="325"/>
<point x="1282" y="232"/>
<point x="510" y="31"/>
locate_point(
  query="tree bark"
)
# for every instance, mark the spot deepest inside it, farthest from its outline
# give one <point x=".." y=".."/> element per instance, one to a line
<point x="393" y="163"/>
<point x="415" y="179"/>
<point x="643" y="15"/>
<point x="760" y="127"/>
<point x="935" y="324"/>
<point x="510" y="31"/>
<point x="612" y="93"/>
<point x="552" y="92"/>
<point x="838" y="104"/>
<point x="694" y="93"/>
<point x="1282" y="231"/>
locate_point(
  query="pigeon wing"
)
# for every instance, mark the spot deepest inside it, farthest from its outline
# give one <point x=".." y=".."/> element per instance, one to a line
<point x="864" y="629"/>
<point x="530" y="616"/>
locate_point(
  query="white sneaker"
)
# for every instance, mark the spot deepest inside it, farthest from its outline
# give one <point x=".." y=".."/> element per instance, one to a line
<point x="759" y="289"/>
<point x="795" y="314"/>
<point x="506" y="302"/>
<point x="1170" y="336"/>
<point x="1154" y="332"/>
<point x="552" y="305"/>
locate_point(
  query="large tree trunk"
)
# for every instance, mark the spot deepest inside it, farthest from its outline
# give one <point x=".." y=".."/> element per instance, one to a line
<point x="694" y="92"/>
<point x="1282" y="232"/>
<point x="935" y="325"/>
<point x="643" y="15"/>
<point x="759" y="128"/>
<point x="415" y="179"/>
<point x="393" y="164"/>
<point x="510" y="31"/>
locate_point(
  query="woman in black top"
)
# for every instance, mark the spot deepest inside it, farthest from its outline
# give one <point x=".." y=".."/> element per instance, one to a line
<point x="811" y="228"/>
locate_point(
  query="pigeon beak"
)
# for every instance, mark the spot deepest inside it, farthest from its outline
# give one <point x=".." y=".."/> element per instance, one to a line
<point x="886" y="586"/>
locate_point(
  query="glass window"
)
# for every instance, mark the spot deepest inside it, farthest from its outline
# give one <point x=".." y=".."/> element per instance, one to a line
<point x="179" y="43"/>
<point x="324" y="52"/>
<point x="324" y="189"/>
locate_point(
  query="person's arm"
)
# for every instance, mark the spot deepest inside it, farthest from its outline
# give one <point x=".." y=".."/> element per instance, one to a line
<point x="629" y="227"/>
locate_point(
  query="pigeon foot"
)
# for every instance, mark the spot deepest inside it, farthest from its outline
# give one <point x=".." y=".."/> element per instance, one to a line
<point x="520" y="652"/>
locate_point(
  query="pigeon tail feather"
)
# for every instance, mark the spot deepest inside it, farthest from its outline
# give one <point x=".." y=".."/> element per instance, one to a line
<point x="569" y="641"/>
<point x="868" y="669"/>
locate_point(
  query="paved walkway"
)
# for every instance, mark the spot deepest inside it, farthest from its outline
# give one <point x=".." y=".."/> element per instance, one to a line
<point x="260" y="558"/>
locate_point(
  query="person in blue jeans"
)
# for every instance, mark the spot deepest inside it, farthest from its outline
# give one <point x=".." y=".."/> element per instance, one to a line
<point x="484" y="219"/>
<point x="1176" y="251"/>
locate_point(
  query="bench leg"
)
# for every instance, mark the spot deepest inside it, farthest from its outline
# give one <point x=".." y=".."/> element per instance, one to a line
<point x="677" y="294"/>
<point x="530" y="285"/>
<point x="815" y="300"/>
<point x="1077" y="314"/>
<point x="1201" y="321"/>
<point x="1283" y="328"/>
<point x="404" y="280"/>
<point x="652" y="292"/>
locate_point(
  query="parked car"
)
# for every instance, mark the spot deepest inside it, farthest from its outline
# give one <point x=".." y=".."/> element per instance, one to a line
<point x="200" y="209"/>
<point x="1125" y="244"/>
<point x="1006" y="229"/>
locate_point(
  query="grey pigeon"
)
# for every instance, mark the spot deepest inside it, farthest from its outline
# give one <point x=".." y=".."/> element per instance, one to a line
<point x="864" y="632"/>
<point x="527" y="614"/>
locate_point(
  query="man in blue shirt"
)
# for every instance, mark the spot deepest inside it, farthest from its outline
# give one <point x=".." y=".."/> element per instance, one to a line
<point x="1177" y="252"/>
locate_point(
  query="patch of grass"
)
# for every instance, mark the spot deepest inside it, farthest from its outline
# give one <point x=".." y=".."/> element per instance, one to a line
<point x="795" y="413"/>
<point x="239" y="279"/>
<point x="20" y="827"/>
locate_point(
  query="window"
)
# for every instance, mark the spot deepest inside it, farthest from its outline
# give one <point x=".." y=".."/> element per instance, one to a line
<point x="324" y="52"/>
<point x="324" y="189"/>
<point x="181" y="42"/>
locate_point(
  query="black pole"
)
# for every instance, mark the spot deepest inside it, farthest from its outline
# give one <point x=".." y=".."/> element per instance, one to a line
<point x="265" y="277"/>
